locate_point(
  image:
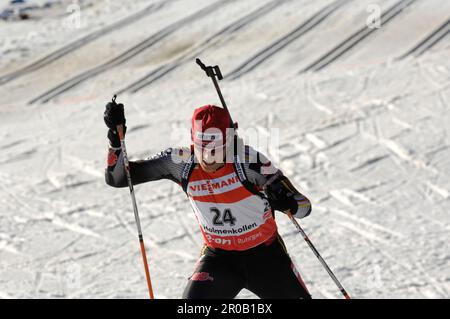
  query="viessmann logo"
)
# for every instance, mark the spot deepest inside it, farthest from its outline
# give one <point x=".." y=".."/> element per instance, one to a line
<point x="211" y="185"/>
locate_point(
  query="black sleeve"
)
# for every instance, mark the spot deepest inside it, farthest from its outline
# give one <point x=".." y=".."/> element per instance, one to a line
<point x="166" y="165"/>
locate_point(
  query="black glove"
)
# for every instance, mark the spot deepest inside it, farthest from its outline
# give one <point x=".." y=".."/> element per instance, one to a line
<point x="280" y="198"/>
<point x="113" y="116"/>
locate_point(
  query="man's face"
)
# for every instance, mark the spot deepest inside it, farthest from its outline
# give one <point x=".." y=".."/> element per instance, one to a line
<point x="209" y="149"/>
<point x="210" y="157"/>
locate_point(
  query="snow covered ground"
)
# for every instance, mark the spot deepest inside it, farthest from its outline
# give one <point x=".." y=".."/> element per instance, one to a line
<point x="364" y="133"/>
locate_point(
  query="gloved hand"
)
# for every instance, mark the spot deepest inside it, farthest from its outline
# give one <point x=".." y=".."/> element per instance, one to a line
<point x="280" y="198"/>
<point x="113" y="116"/>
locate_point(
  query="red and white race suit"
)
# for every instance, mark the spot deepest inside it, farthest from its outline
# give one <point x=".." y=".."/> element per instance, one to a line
<point x="229" y="215"/>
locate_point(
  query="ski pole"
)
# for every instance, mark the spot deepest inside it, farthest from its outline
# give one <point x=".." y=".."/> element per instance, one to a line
<point x="214" y="72"/>
<point x="324" y="264"/>
<point x="126" y="164"/>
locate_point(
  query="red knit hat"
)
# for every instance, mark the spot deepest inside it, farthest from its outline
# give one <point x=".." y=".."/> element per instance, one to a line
<point x="209" y="126"/>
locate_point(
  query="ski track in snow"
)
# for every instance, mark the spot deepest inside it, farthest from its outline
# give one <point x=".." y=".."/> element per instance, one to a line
<point x="368" y="143"/>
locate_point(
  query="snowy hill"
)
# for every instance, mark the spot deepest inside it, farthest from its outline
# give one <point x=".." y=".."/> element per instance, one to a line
<point x="361" y="115"/>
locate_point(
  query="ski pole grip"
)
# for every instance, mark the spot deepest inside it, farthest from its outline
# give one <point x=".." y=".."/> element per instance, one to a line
<point x="120" y="131"/>
<point x="119" y="128"/>
<point x="288" y="212"/>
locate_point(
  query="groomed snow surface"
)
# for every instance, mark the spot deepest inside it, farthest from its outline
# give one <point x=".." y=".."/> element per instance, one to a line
<point x="358" y="118"/>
